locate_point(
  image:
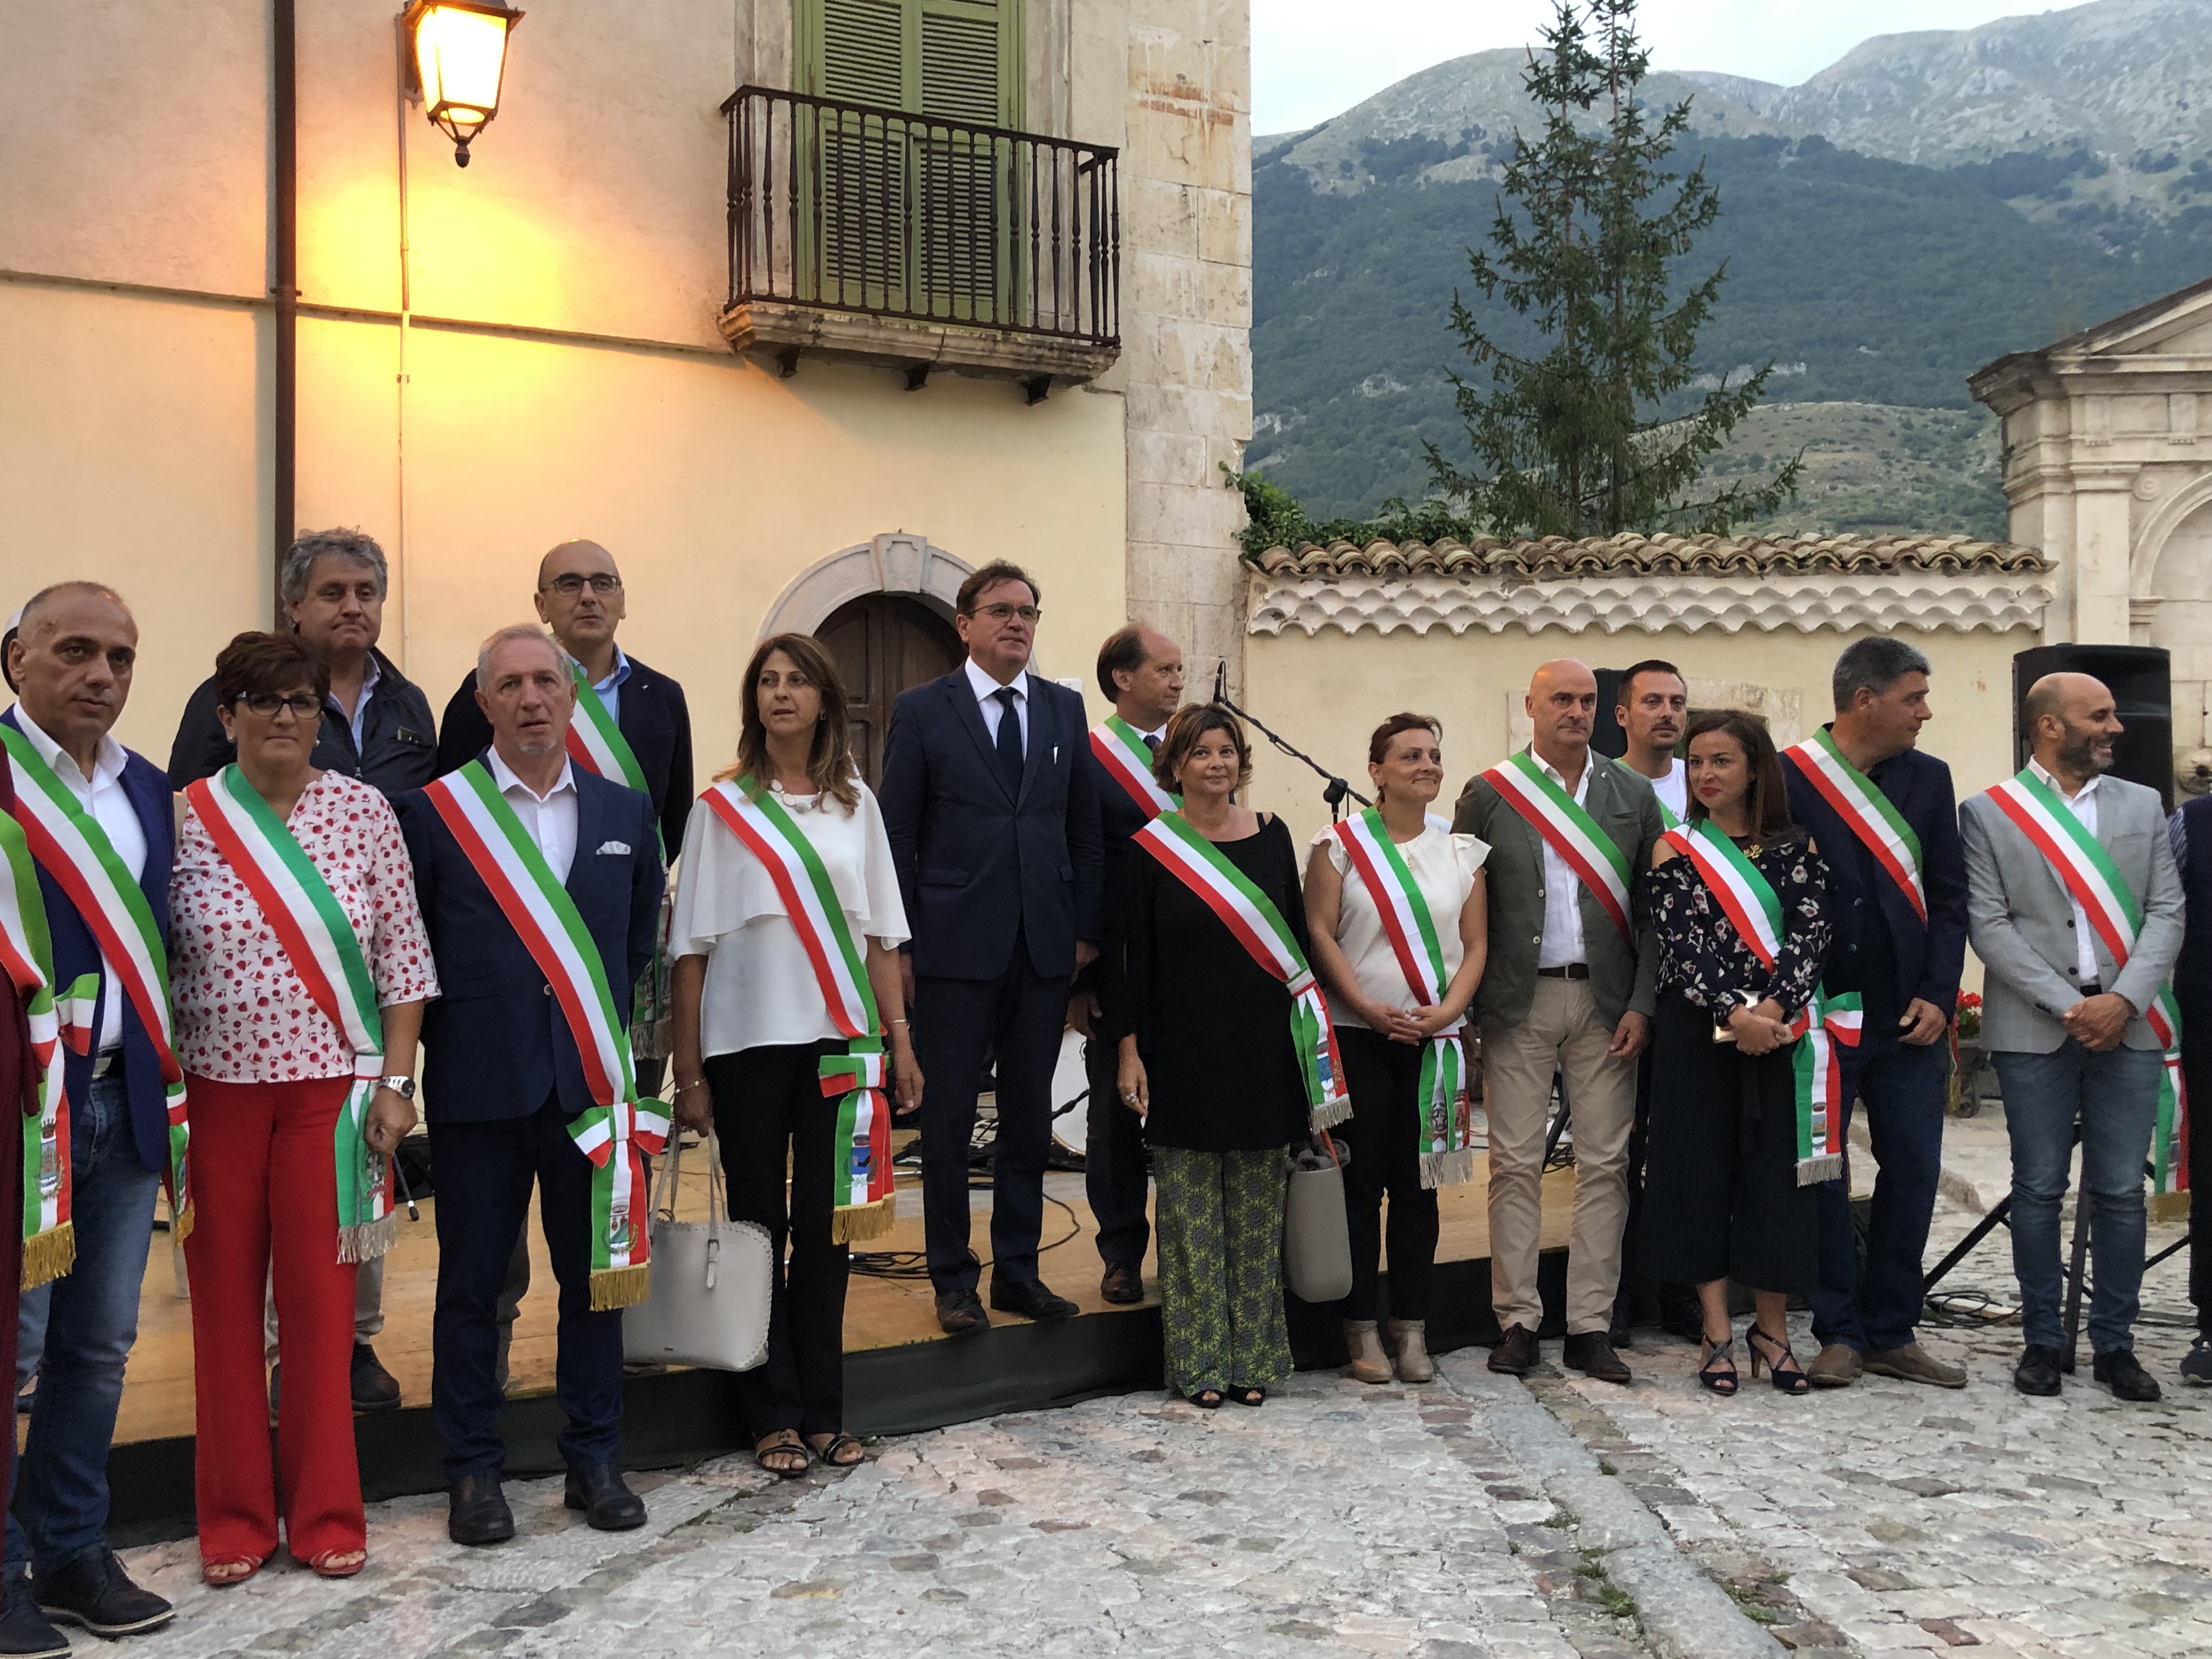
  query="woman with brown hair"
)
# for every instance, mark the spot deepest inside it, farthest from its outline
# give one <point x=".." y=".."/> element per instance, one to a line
<point x="1737" y="898"/>
<point x="787" y="926"/>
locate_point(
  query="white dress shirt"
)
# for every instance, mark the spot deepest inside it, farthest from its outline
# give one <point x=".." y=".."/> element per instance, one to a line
<point x="987" y="695"/>
<point x="102" y="797"/>
<point x="549" y="819"/>
<point x="1563" y="888"/>
<point x="2084" y="808"/>
<point x="1674" y="789"/>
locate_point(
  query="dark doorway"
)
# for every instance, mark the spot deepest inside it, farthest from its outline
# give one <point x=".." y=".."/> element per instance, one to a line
<point x="884" y="643"/>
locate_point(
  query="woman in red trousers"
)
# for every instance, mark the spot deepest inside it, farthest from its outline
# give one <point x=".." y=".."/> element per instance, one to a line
<point x="298" y="966"/>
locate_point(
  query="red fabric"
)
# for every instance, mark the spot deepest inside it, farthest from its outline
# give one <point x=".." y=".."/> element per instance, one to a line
<point x="262" y="1164"/>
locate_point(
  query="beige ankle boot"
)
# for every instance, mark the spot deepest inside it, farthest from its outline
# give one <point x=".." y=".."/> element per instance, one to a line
<point x="1369" y="1363"/>
<point x="1409" y="1341"/>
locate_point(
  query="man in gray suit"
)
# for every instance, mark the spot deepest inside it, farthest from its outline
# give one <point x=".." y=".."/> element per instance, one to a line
<point x="2071" y="977"/>
<point x="1570" y="833"/>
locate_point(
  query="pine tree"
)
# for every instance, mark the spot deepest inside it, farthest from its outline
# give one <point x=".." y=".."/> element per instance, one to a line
<point x="1578" y="441"/>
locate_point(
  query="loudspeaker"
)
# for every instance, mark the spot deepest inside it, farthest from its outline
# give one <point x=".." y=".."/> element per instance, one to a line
<point x="1607" y="737"/>
<point x="2140" y="680"/>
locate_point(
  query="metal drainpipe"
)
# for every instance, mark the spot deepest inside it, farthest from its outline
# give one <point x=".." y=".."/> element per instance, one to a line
<point x="285" y="291"/>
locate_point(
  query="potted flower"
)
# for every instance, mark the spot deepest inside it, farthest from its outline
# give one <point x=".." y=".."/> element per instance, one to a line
<point x="1972" y="1076"/>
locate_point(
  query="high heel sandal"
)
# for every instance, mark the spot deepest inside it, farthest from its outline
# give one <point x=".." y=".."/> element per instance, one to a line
<point x="1716" y="1355"/>
<point x="1793" y="1381"/>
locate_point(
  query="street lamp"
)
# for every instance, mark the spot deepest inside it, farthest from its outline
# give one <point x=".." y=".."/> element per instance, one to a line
<point x="456" y="59"/>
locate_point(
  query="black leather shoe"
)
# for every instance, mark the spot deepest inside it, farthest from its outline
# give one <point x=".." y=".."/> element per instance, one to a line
<point x="1592" y="1355"/>
<point x="1029" y="1298"/>
<point x="608" y="1505"/>
<point x="95" y="1593"/>
<point x="374" y="1388"/>
<point x="1516" y="1350"/>
<point x="2118" y="1370"/>
<point x="2197" y="1363"/>
<point x="2038" y="1371"/>
<point x="24" y="1633"/>
<point x="1123" y="1285"/>
<point x="1620" y="1333"/>
<point x="960" y="1312"/>
<point x="477" y="1511"/>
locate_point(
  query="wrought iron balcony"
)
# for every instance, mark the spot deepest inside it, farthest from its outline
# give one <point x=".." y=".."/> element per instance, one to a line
<point x="883" y="236"/>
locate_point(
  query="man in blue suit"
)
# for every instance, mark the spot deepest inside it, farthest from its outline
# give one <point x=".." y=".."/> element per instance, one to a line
<point x="1902" y="950"/>
<point x="993" y="825"/>
<point x="72" y="662"/>
<point x="502" y="1076"/>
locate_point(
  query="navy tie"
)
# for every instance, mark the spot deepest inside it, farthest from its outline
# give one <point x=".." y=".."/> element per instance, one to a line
<point x="1010" y="738"/>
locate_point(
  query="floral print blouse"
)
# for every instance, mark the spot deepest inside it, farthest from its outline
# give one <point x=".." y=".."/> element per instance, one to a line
<point x="1701" y="954"/>
<point x="242" y="1014"/>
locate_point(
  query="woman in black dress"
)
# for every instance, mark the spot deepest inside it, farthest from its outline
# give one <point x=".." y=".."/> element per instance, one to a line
<point x="1721" y="1193"/>
<point x="1211" y="1064"/>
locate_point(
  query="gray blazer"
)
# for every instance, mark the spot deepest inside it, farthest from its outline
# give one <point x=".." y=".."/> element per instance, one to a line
<point x="2020" y="920"/>
<point x="1621" y="980"/>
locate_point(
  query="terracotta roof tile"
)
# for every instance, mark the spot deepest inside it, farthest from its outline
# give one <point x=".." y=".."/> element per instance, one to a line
<point x="1555" y="558"/>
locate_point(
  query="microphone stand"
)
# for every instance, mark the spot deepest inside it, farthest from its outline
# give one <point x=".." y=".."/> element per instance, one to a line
<point x="1335" y="790"/>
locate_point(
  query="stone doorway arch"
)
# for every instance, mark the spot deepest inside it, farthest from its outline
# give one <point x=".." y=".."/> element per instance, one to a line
<point x="900" y="562"/>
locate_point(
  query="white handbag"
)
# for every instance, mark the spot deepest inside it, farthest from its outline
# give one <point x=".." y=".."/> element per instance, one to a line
<point x="709" y="1305"/>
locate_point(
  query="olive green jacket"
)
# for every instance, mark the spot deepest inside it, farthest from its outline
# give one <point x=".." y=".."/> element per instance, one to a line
<point x="1621" y="980"/>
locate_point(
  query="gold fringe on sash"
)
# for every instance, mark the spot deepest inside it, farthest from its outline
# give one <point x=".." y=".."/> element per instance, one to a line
<point x="1812" y="1171"/>
<point x="1447" y="1168"/>
<point x="2168" y="1206"/>
<point x="368" y="1240"/>
<point x="181" y="1226"/>
<point x="1332" y="1112"/>
<point x="49" y="1254"/>
<point x="855" y="1224"/>
<point x="621" y="1287"/>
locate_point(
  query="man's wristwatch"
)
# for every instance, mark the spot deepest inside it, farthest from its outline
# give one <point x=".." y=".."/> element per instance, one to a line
<point x="402" y="1086"/>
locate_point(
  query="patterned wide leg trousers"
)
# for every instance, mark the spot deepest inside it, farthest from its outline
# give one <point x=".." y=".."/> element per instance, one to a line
<point x="1219" y="1221"/>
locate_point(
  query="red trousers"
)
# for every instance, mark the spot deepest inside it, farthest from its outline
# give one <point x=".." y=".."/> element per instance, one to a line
<point x="264" y="1175"/>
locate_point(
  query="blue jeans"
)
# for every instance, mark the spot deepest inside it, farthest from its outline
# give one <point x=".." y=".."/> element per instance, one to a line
<point x="91" y="1319"/>
<point x="2114" y="1097"/>
<point x="1903" y="1088"/>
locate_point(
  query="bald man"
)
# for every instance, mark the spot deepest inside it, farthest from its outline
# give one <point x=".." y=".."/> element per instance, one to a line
<point x="2074" y="907"/>
<point x="1566" y="989"/>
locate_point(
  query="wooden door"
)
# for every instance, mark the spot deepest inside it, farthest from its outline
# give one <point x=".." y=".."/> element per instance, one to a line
<point x="884" y="643"/>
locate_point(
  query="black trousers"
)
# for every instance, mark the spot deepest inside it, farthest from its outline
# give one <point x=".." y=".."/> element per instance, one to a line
<point x="1114" y="1160"/>
<point x="1020" y="1015"/>
<point x="1720" y="1195"/>
<point x="1642" y="1299"/>
<point x="2196" y="1078"/>
<point x="768" y="1107"/>
<point x="1384" y="1078"/>
<point x="485" y="1172"/>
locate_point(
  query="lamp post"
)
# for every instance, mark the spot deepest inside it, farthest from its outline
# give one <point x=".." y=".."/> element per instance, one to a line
<point x="455" y="53"/>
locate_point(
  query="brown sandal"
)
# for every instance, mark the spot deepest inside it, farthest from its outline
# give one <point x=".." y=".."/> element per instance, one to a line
<point x="831" y="1449"/>
<point x="784" y="1442"/>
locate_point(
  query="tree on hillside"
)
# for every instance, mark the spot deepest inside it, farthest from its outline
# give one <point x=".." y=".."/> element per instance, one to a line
<point x="1578" y="441"/>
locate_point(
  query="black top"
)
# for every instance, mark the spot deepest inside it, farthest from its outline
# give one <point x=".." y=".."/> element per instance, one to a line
<point x="398" y="744"/>
<point x="1701" y="954"/>
<point x="1212" y="1025"/>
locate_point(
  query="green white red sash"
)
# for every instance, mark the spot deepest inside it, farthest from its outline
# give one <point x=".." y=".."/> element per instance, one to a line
<point x="1832" y="1022"/>
<point x="1121" y="750"/>
<point x="1865" y="811"/>
<point x="1572" y="832"/>
<point x="320" y="944"/>
<point x="72" y="849"/>
<point x="1444" y="1122"/>
<point x="2043" y="816"/>
<point x="617" y="1126"/>
<point x="1252" y="918"/>
<point x="861" y="1145"/>
<point x="26" y="957"/>
<point x="596" y="742"/>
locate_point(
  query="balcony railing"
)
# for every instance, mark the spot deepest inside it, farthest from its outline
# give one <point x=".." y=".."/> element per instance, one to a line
<point x="902" y="219"/>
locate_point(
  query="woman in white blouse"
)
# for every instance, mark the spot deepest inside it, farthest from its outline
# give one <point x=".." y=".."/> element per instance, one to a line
<point x="753" y="1023"/>
<point x="1384" y="1029"/>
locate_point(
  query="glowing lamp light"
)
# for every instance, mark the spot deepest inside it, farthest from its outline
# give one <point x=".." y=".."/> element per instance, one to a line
<point x="458" y="57"/>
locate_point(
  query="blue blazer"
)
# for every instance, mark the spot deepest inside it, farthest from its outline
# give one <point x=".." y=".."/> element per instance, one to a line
<point x="976" y="865"/>
<point x="76" y="952"/>
<point x="1929" y="958"/>
<point x="496" y="1044"/>
<point x="1120" y="818"/>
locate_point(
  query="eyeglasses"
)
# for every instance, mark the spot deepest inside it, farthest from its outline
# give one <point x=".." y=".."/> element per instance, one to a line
<point x="569" y="585"/>
<point x="305" y="704"/>
<point x="999" y="613"/>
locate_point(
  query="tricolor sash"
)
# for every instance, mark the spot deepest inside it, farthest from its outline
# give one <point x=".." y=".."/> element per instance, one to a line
<point x="861" y="1145"/>
<point x="1572" y="832"/>
<point x="325" y="952"/>
<point x="596" y="744"/>
<point x="69" y="846"/>
<point x="617" y="1126"/>
<point x="1121" y="750"/>
<point x="1252" y="918"/>
<point x="26" y="957"/>
<point x="1444" y="1122"/>
<point x="1865" y="811"/>
<point x="2043" y="816"/>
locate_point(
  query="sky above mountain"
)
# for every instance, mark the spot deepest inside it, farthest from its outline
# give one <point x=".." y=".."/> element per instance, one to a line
<point x="1307" y="64"/>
